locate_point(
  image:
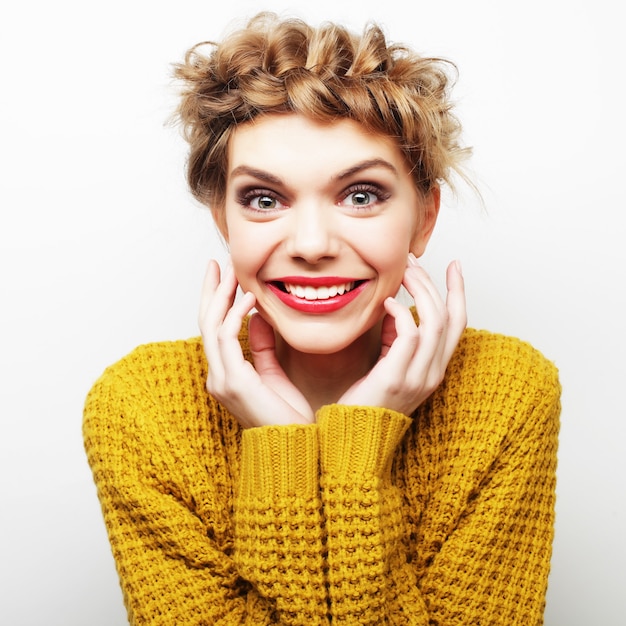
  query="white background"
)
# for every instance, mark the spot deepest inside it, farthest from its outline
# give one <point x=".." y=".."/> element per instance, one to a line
<point x="102" y="248"/>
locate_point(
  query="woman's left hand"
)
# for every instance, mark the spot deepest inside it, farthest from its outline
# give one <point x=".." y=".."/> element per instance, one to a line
<point x="413" y="359"/>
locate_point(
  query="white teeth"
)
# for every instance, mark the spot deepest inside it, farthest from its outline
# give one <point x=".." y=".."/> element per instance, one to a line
<point x="318" y="293"/>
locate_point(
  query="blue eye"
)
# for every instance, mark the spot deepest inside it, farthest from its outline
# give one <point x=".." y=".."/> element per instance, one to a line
<point x="364" y="196"/>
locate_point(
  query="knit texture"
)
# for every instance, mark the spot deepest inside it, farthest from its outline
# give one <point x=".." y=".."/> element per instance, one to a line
<point x="365" y="517"/>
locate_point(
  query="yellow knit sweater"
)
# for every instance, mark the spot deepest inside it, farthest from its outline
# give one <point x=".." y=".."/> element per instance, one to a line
<point x="365" y="517"/>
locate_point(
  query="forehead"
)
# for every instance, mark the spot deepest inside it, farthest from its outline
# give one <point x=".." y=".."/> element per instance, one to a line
<point x="294" y="145"/>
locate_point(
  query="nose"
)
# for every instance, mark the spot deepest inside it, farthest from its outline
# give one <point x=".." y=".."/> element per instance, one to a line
<point x="312" y="236"/>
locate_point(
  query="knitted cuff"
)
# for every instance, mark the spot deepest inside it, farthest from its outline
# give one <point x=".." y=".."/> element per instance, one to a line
<point x="278" y="461"/>
<point x="358" y="439"/>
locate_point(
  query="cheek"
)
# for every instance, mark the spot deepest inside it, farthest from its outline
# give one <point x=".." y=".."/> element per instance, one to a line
<point x="243" y="253"/>
<point x="392" y="271"/>
<point x="249" y="251"/>
<point x="386" y="250"/>
<point x="245" y="267"/>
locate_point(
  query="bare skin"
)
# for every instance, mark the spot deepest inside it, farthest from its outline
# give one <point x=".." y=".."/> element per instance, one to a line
<point x="344" y="207"/>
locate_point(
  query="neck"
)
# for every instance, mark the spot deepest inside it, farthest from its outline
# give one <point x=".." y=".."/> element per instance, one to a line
<point x="323" y="378"/>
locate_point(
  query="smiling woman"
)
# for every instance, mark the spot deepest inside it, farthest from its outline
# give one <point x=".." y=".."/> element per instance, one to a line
<point x="332" y="456"/>
<point x="342" y="214"/>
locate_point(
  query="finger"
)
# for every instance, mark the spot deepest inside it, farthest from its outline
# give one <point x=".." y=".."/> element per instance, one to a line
<point x="431" y="309"/>
<point x="266" y="364"/>
<point x="388" y="335"/>
<point x="432" y="324"/>
<point x="456" y="307"/>
<point x="440" y="329"/>
<point x="400" y="338"/>
<point x="209" y="285"/>
<point x="228" y="333"/>
<point x="455" y="301"/>
<point x="429" y="360"/>
<point x="229" y="372"/>
<point x="416" y="275"/>
<point x="262" y="345"/>
<point x="218" y="296"/>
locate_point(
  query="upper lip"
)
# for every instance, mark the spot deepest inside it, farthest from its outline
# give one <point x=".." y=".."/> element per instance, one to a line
<point x="315" y="281"/>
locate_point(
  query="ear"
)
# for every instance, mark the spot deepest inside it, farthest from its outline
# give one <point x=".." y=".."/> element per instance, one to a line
<point x="429" y="211"/>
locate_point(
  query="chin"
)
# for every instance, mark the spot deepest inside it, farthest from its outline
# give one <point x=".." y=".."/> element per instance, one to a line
<point x="323" y="339"/>
<point x="316" y="347"/>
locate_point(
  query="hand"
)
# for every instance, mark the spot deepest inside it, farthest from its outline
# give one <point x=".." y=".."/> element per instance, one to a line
<point x="413" y="359"/>
<point x="256" y="395"/>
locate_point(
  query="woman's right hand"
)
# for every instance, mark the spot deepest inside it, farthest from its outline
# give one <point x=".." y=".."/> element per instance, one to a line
<point x="258" y="395"/>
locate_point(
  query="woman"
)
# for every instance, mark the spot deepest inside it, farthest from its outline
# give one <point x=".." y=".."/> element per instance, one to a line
<point x="337" y="461"/>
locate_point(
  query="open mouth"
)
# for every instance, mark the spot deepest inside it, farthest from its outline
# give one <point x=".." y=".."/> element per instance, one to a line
<point x="309" y="292"/>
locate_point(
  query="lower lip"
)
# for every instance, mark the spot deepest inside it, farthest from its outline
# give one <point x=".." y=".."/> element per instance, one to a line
<point x="317" y="306"/>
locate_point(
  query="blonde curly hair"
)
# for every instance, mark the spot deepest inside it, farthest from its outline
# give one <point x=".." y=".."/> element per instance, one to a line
<point x="276" y="65"/>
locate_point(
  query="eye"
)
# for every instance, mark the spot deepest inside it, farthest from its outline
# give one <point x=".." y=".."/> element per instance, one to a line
<point x="360" y="198"/>
<point x="259" y="200"/>
<point x="263" y="203"/>
<point x="364" y="196"/>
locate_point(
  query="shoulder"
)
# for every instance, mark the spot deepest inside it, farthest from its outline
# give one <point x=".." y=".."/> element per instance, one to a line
<point x="154" y="358"/>
<point x="502" y="377"/>
<point x="174" y="363"/>
<point x="151" y="366"/>
<point x="154" y="380"/>
<point x="488" y="357"/>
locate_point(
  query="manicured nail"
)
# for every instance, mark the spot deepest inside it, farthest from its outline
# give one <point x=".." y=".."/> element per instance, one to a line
<point x="458" y="267"/>
<point x="413" y="260"/>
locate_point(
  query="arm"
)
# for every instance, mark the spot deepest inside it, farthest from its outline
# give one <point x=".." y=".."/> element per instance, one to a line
<point x="454" y="525"/>
<point x="279" y="529"/>
<point x="484" y="523"/>
<point x="370" y="578"/>
<point x="165" y="478"/>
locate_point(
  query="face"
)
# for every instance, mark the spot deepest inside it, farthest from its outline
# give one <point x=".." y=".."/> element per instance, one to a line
<point x="320" y="220"/>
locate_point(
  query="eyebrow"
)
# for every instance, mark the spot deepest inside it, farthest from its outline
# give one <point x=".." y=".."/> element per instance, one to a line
<point x="366" y="165"/>
<point x="245" y="170"/>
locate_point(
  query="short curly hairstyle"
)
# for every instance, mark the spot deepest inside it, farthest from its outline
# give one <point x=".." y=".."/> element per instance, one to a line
<point x="275" y="65"/>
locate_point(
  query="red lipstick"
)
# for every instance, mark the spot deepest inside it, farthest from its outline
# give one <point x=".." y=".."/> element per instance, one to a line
<point x="327" y="305"/>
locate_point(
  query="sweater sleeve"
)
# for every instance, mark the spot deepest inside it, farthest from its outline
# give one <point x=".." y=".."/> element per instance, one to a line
<point x="450" y="525"/>
<point x="169" y="496"/>
<point x="480" y="485"/>
<point x="370" y="578"/>
<point x="173" y="568"/>
<point x="349" y="544"/>
<point x="279" y="530"/>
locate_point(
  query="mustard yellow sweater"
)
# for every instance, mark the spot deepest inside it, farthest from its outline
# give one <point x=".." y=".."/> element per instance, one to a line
<point x="366" y="517"/>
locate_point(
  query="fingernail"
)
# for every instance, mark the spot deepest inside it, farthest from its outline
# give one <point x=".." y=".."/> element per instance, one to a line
<point x="458" y="267"/>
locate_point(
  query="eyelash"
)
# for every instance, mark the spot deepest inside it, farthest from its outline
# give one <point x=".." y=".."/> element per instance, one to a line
<point x="379" y="194"/>
<point x="247" y="196"/>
